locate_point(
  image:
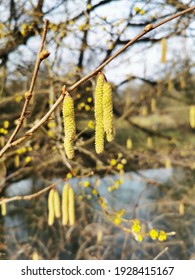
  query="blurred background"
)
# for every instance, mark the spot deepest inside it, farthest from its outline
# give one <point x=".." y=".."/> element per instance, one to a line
<point x="146" y="174"/>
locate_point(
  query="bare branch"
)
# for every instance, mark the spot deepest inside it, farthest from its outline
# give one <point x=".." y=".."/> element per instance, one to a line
<point x="30" y="132"/>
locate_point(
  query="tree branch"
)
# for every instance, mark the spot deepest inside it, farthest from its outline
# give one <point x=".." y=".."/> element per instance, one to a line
<point x="147" y="29"/>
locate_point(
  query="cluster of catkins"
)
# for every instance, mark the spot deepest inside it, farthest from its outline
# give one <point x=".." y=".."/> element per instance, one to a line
<point x="103" y="113"/>
<point x="67" y="208"/>
<point x="103" y="109"/>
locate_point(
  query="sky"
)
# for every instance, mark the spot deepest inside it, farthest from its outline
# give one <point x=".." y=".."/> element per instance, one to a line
<point x="139" y="60"/>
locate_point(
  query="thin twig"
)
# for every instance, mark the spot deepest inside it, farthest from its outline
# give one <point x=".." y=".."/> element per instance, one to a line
<point x="32" y="84"/>
<point x="161" y="253"/>
<point x="147" y="29"/>
<point x="28" y="197"/>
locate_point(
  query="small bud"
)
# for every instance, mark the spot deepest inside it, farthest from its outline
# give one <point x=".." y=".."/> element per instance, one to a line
<point x="27" y="95"/>
<point x="44" y="54"/>
<point x="148" y="27"/>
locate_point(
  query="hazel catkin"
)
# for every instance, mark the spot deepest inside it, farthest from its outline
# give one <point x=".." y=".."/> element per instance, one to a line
<point x="51" y="214"/>
<point x="98" y="109"/>
<point x="71" y="207"/>
<point x="69" y="125"/>
<point x="3" y="209"/>
<point x="65" y="204"/>
<point x="192" y="116"/>
<point x="56" y="204"/>
<point x="164" y="50"/>
<point x="108" y="112"/>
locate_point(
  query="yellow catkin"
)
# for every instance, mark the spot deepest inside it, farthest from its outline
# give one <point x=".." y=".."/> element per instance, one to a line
<point x="65" y="205"/>
<point x="129" y="144"/>
<point x="99" y="236"/>
<point x="149" y="142"/>
<point x="17" y="161"/>
<point x="57" y="204"/>
<point x="51" y="214"/>
<point x="3" y="209"/>
<point x="167" y="163"/>
<point x="192" y="116"/>
<point x="35" y="256"/>
<point x="164" y="50"/>
<point x="69" y="125"/>
<point x="181" y="208"/>
<point x="71" y="208"/>
<point x="68" y="145"/>
<point x="98" y="109"/>
<point x="108" y="112"/>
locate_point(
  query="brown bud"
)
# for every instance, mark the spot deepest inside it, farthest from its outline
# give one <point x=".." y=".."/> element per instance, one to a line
<point x="148" y="27"/>
<point x="28" y="95"/>
<point x="44" y="54"/>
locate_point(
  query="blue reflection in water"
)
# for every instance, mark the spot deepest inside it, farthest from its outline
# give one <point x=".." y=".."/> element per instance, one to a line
<point x="132" y="194"/>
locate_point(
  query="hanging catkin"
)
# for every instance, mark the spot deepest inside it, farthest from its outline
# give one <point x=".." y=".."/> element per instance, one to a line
<point x="69" y="125"/>
<point x="108" y="112"/>
<point x="98" y="108"/>
<point x="57" y="204"/>
<point x="65" y="204"/>
<point x="51" y="214"/>
<point x="164" y="50"/>
<point x="71" y="210"/>
<point x="129" y="144"/>
<point x="192" y="116"/>
<point x="3" y="209"/>
<point x="17" y="161"/>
